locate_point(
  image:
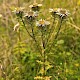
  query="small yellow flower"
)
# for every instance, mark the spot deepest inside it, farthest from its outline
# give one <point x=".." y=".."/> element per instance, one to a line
<point x="35" y="7"/>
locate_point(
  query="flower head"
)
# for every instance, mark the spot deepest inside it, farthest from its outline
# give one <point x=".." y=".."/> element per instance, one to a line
<point x="42" y="23"/>
<point x="31" y="15"/>
<point x="53" y="11"/>
<point x="35" y="7"/>
<point x="63" y="13"/>
<point x="19" y="11"/>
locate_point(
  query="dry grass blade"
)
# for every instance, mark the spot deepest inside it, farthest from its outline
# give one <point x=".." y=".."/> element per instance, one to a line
<point x="76" y="27"/>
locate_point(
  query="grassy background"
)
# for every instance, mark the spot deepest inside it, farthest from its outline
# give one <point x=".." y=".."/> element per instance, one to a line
<point x="18" y="57"/>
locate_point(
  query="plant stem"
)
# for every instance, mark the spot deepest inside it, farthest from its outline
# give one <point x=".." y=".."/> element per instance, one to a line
<point x="33" y="36"/>
<point x="44" y="54"/>
<point x="19" y="40"/>
<point x="26" y="28"/>
<point x="51" y="31"/>
<point x="56" y="34"/>
<point x="18" y="1"/>
<point x="58" y="29"/>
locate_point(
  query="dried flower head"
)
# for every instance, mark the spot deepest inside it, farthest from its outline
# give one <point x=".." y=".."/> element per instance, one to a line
<point x="19" y="11"/>
<point x="53" y="11"/>
<point x="63" y="13"/>
<point x="31" y="15"/>
<point x="42" y="23"/>
<point x="35" y="7"/>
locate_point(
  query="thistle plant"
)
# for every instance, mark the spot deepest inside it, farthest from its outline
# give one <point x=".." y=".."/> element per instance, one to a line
<point x="44" y="30"/>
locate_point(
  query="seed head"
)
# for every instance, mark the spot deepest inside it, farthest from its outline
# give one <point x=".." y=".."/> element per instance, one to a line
<point x="53" y="11"/>
<point x="19" y="11"/>
<point x="31" y="15"/>
<point x="63" y="13"/>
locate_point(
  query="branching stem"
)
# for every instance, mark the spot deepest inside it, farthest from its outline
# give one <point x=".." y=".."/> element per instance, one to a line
<point x="56" y="34"/>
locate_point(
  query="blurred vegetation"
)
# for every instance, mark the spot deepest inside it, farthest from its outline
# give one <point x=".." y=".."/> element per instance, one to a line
<point x="19" y="58"/>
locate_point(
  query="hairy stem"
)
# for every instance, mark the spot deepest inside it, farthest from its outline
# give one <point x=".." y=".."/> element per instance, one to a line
<point x="44" y="53"/>
<point x="56" y="34"/>
<point x="26" y="28"/>
<point x="33" y="36"/>
<point x="58" y="29"/>
<point x="51" y="31"/>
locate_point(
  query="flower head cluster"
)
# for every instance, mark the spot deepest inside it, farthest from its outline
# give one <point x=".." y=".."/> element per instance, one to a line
<point x="62" y="13"/>
<point x="42" y="23"/>
<point x="31" y="15"/>
<point x="35" y="7"/>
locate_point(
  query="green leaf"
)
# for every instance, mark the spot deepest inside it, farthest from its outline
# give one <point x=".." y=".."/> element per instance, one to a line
<point x="48" y="67"/>
<point x="40" y="62"/>
<point x="60" y="42"/>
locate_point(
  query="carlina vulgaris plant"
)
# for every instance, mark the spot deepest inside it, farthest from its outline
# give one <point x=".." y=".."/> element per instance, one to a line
<point x="30" y="19"/>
